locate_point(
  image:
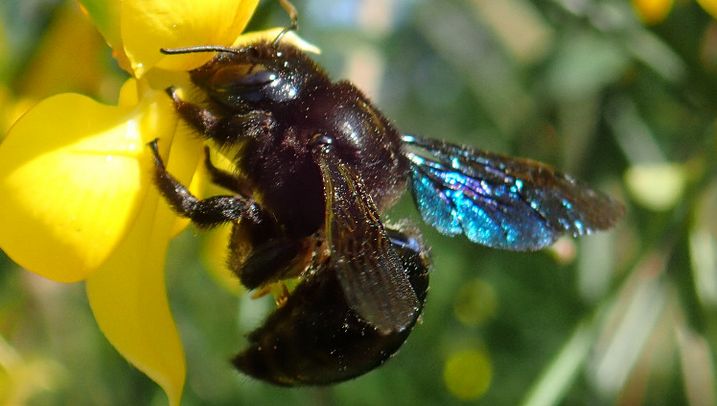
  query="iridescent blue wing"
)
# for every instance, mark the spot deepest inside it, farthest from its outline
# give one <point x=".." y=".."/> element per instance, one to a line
<point x="499" y="201"/>
<point x="368" y="267"/>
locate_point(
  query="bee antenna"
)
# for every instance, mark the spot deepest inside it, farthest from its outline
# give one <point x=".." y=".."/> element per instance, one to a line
<point x="293" y="24"/>
<point x="200" y="48"/>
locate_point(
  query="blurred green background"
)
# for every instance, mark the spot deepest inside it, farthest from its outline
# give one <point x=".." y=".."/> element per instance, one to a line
<point x="624" y="317"/>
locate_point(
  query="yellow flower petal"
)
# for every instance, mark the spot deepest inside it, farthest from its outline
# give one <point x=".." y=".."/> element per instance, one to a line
<point x="710" y="6"/>
<point x="187" y="154"/>
<point x="11" y="109"/>
<point x="148" y="25"/>
<point x="105" y="16"/>
<point x="72" y="175"/>
<point x="214" y="249"/>
<point x="652" y="11"/>
<point x="269" y="35"/>
<point x="129" y="94"/>
<point x="214" y="258"/>
<point x="52" y="72"/>
<point x="128" y="295"/>
<point x="129" y="300"/>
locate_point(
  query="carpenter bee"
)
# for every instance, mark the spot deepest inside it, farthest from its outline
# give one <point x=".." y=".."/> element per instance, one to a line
<point x="316" y="163"/>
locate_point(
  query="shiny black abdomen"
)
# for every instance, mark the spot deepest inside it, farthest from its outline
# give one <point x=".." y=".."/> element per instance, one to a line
<point x="317" y="339"/>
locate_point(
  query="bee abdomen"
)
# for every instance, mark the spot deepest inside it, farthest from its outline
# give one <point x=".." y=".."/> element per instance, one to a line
<point x="317" y="339"/>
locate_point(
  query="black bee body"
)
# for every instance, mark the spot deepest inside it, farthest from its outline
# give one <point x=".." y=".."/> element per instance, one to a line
<point x="316" y="338"/>
<point x="280" y="123"/>
<point x="297" y="135"/>
<point x="315" y="166"/>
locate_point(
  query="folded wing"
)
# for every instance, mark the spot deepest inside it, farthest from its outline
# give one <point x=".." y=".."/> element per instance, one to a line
<point x="368" y="268"/>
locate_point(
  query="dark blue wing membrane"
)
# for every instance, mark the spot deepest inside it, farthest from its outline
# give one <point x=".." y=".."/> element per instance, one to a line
<point x="499" y="201"/>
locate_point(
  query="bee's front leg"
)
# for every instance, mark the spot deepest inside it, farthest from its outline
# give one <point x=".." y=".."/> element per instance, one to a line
<point x="209" y="212"/>
<point x="224" y="130"/>
<point x="200" y="118"/>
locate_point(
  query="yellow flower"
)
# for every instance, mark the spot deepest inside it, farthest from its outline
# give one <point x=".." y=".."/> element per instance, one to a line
<point x="655" y="11"/>
<point x="78" y="203"/>
<point x="710" y="6"/>
<point x="652" y="11"/>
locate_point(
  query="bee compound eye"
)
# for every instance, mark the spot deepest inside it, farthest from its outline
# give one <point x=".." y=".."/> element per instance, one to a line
<point x="257" y="79"/>
<point x="238" y="77"/>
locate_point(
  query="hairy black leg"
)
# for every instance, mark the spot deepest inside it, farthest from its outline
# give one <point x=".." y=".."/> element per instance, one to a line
<point x="204" y="213"/>
<point x="201" y="119"/>
<point x="274" y="260"/>
<point x="226" y="179"/>
<point x="224" y="130"/>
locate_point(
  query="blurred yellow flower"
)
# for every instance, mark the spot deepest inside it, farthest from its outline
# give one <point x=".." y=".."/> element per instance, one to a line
<point x="658" y="186"/>
<point x="475" y="303"/>
<point x="468" y="373"/>
<point x="75" y="176"/>
<point x="655" y="11"/>
<point x="710" y="6"/>
<point x="21" y="378"/>
<point x="652" y="11"/>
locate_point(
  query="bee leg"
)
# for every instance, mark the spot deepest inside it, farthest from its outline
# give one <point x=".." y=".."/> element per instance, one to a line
<point x="278" y="289"/>
<point x="273" y="260"/>
<point x="260" y="254"/>
<point x="201" y="119"/>
<point x="204" y="213"/>
<point x="223" y="130"/>
<point x="226" y="179"/>
<point x="282" y="296"/>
